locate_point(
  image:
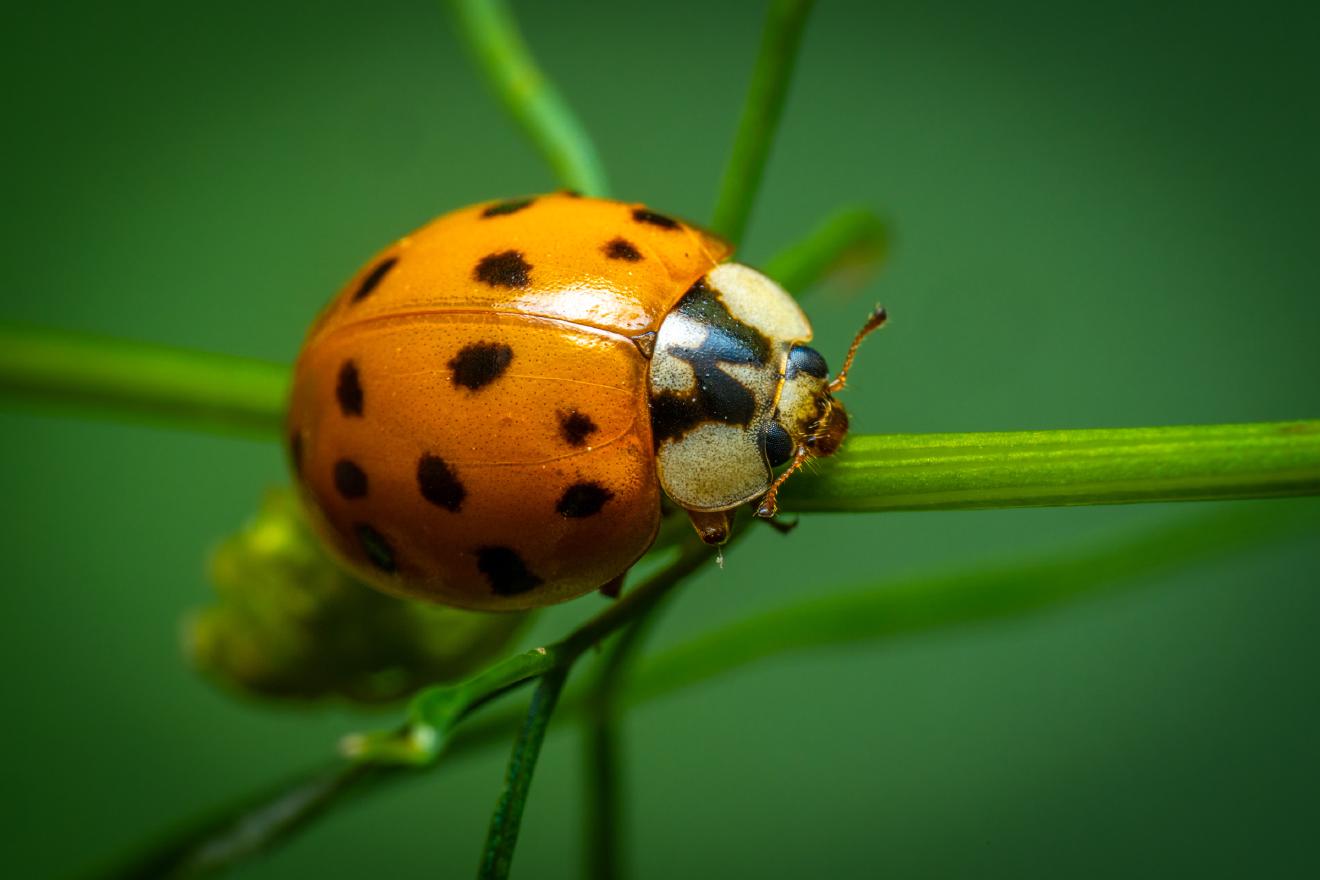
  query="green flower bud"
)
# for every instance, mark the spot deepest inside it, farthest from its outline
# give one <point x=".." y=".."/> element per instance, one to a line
<point x="289" y="623"/>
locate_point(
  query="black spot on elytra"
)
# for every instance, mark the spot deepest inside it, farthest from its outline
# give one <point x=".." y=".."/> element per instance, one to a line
<point x="378" y="551"/>
<point x="576" y="427"/>
<point x="718" y="397"/>
<point x="480" y="363"/>
<point x="350" y="480"/>
<point x="349" y="390"/>
<point x="776" y="443"/>
<point x="373" y="278"/>
<point x="802" y="359"/>
<point x="296" y="451"/>
<point x="642" y="215"/>
<point x="506" y="571"/>
<point x="439" y="484"/>
<point x="582" y="500"/>
<point x="505" y="269"/>
<point x="622" y="249"/>
<point x="512" y="206"/>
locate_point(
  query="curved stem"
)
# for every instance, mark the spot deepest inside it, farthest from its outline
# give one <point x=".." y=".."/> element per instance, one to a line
<point x="82" y="372"/>
<point x="848" y="236"/>
<point x="1051" y="468"/>
<point x="491" y="33"/>
<point x="760" y="116"/>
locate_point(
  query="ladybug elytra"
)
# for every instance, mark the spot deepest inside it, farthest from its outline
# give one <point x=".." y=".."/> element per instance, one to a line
<point x="487" y="414"/>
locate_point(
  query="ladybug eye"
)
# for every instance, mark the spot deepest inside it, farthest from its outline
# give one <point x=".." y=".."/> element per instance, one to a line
<point x="777" y="444"/>
<point x="802" y="359"/>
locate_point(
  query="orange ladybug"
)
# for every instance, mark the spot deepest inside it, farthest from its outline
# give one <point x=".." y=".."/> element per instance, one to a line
<point x="487" y="414"/>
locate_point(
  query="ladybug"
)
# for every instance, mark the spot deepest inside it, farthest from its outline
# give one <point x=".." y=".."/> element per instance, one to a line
<point x="487" y="414"/>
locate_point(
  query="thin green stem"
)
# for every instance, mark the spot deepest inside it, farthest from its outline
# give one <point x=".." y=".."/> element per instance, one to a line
<point x="875" y="614"/>
<point x="102" y="376"/>
<point x="491" y="34"/>
<point x="1051" y="468"/>
<point x="497" y="857"/>
<point x="638" y="601"/>
<point x="760" y="116"/>
<point x="850" y="236"/>
<point x="249" y="827"/>
<point x="630" y="612"/>
<point x="1011" y="590"/>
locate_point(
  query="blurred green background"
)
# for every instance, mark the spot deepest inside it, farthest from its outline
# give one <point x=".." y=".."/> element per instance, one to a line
<point x="1106" y="216"/>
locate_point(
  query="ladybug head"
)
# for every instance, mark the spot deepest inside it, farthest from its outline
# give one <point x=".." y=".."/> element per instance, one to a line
<point x="809" y="422"/>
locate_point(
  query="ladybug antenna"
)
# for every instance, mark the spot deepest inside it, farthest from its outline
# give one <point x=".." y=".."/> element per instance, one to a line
<point x="873" y="323"/>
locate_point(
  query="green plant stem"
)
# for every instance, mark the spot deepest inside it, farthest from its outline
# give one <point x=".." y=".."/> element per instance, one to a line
<point x="497" y="857"/>
<point x="762" y="108"/>
<point x="873" y="615"/>
<point x="82" y="372"/>
<point x="848" y="236"/>
<point x="1051" y="468"/>
<point x="491" y="34"/>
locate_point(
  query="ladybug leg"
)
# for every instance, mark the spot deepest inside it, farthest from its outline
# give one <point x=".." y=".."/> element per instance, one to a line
<point x="614" y="587"/>
<point x="768" y="506"/>
<point x="712" y="525"/>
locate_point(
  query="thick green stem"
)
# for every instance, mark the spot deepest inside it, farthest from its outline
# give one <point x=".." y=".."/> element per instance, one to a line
<point x="489" y="30"/>
<point x="81" y="372"/>
<point x="497" y="857"/>
<point x="1050" y="468"/>
<point x="760" y="116"/>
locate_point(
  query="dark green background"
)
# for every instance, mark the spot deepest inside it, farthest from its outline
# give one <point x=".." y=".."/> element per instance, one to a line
<point x="1106" y="215"/>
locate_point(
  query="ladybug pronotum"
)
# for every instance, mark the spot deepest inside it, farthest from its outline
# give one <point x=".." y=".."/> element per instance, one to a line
<point x="486" y="416"/>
